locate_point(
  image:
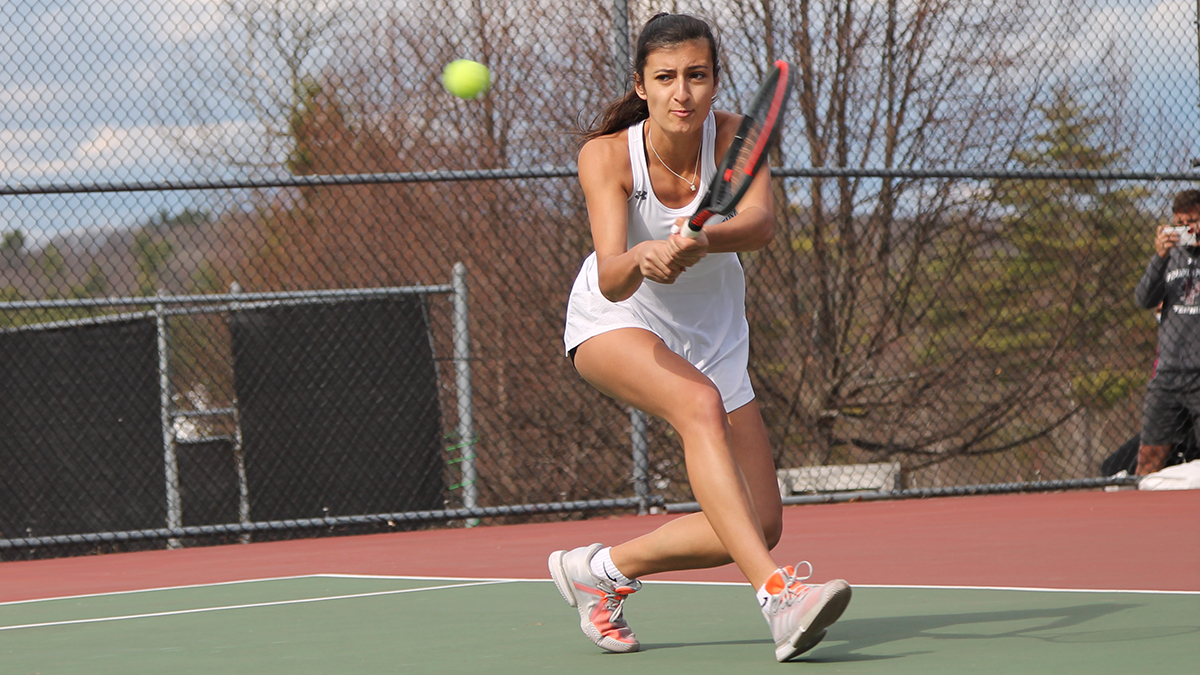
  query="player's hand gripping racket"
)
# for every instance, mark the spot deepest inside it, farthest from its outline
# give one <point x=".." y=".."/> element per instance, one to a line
<point x="746" y="154"/>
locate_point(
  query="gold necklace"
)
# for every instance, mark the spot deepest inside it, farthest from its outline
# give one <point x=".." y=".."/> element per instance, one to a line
<point x="695" y="171"/>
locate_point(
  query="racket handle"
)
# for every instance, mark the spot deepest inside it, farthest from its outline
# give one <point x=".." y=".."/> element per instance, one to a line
<point x="692" y="228"/>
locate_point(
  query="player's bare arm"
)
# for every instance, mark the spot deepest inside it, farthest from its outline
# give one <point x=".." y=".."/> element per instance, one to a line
<point x="607" y="181"/>
<point x="754" y="225"/>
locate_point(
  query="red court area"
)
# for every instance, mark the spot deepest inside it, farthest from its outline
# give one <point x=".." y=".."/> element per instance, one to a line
<point x="1125" y="540"/>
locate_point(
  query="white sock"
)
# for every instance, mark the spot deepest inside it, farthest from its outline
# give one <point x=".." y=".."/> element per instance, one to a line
<point x="603" y="568"/>
<point x="763" y="597"/>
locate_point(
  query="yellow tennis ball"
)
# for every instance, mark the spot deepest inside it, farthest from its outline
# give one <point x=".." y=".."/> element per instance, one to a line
<point x="466" y="79"/>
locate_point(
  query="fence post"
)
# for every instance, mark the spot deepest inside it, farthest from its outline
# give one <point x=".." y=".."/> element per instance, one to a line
<point x="641" y="459"/>
<point x="239" y="448"/>
<point x="462" y="387"/>
<point x="170" y="458"/>
<point x="621" y="54"/>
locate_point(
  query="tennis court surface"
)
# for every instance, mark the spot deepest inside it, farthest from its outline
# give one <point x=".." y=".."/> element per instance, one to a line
<point x="1077" y="582"/>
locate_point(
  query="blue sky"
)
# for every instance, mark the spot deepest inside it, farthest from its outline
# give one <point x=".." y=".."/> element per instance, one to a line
<point x="94" y="91"/>
<point x="85" y="88"/>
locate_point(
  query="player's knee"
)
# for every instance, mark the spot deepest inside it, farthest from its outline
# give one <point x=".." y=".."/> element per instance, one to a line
<point x="770" y="515"/>
<point x="706" y="412"/>
<point x="772" y="530"/>
<point x="702" y="408"/>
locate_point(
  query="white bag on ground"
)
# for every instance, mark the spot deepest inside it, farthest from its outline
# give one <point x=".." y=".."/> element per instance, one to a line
<point x="1178" y="477"/>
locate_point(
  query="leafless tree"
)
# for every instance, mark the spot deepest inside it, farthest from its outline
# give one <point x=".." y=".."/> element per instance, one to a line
<point x="852" y="357"/>
<point x="846" y="301"/>
<point x="248" y="79"/>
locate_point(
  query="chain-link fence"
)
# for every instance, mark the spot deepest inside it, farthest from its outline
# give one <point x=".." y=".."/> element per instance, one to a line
<point x="967" y="194"/>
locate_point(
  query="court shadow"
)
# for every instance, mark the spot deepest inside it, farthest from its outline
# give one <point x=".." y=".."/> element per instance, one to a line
<point x="852" y="635"/>
<point x="766" y="644"/>
<point x="646" y="647"/>
<point x="849" y="637"/>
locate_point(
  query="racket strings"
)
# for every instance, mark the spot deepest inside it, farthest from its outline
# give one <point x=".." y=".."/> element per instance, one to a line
<point x="748" y="150"/>
<point x="740" y="171"/>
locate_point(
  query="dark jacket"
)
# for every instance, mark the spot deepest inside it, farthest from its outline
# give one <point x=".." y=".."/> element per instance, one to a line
<point x="1175" y="282"/>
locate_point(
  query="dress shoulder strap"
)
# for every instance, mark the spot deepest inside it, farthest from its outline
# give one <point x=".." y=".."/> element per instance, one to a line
<point x="637" y="158"/>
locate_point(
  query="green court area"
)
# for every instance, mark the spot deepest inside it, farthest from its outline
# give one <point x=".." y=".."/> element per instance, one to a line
<point x="333" y="625"/>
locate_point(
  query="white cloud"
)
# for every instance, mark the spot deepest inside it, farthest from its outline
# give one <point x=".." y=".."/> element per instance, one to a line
<point x="145" y="152"/>
<point x="105" y="140"/>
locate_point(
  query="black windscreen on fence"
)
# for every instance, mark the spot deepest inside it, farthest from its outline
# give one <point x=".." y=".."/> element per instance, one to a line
<point x="339" y="409"/>
<point x="81" y="444"/>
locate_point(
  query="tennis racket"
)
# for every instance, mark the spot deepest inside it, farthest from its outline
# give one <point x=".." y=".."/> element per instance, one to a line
<point x="746" y="154"/>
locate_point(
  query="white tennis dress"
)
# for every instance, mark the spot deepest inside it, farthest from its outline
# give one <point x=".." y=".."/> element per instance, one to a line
<point x="701" y="317"/>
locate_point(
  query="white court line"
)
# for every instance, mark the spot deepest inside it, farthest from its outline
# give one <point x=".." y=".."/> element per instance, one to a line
<point x="497" y="580"/>
<point x="406" y="577"/>
<point x="277" y="603"/>
<point x="155" y="589"/>
<point x="133" y="591"/>
<point x="1031" y="589"/>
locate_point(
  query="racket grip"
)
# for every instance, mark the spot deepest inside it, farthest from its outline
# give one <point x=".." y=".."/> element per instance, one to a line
<point x="692" y="228"/>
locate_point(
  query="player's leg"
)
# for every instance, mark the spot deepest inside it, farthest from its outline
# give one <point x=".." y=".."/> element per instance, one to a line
<point x="634" y="366"/>
<point x="689" y="542"/>
<point x="798" y="613"/>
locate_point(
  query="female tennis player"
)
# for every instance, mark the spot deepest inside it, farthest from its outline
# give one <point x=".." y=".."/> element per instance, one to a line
<point x="658" y="321"/>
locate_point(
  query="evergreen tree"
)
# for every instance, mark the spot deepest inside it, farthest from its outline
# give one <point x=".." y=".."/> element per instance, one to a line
<point x="1049" y="318"/>
<point x="13" y="243"/>
<point x="1074" y="250"/>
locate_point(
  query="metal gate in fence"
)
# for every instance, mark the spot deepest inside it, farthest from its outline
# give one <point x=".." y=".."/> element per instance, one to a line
<point x="281" y="344"/>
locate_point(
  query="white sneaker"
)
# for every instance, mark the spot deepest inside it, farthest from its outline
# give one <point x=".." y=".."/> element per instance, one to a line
<point x="799" y="613"/>
<point x="599" y="601"/>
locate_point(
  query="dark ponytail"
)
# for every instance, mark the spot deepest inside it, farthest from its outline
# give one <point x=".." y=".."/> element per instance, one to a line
<point x="662" y="30"/>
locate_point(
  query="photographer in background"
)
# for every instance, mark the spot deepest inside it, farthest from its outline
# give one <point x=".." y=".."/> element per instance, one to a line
<point x="1126" y="457"/>
<point x="1173" y="394"/>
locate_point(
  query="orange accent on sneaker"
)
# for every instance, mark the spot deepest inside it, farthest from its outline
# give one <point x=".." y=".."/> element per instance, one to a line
<point x="606" y="613"/>
<point x="774" y="583"/>
<point x="600" y="602"/>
